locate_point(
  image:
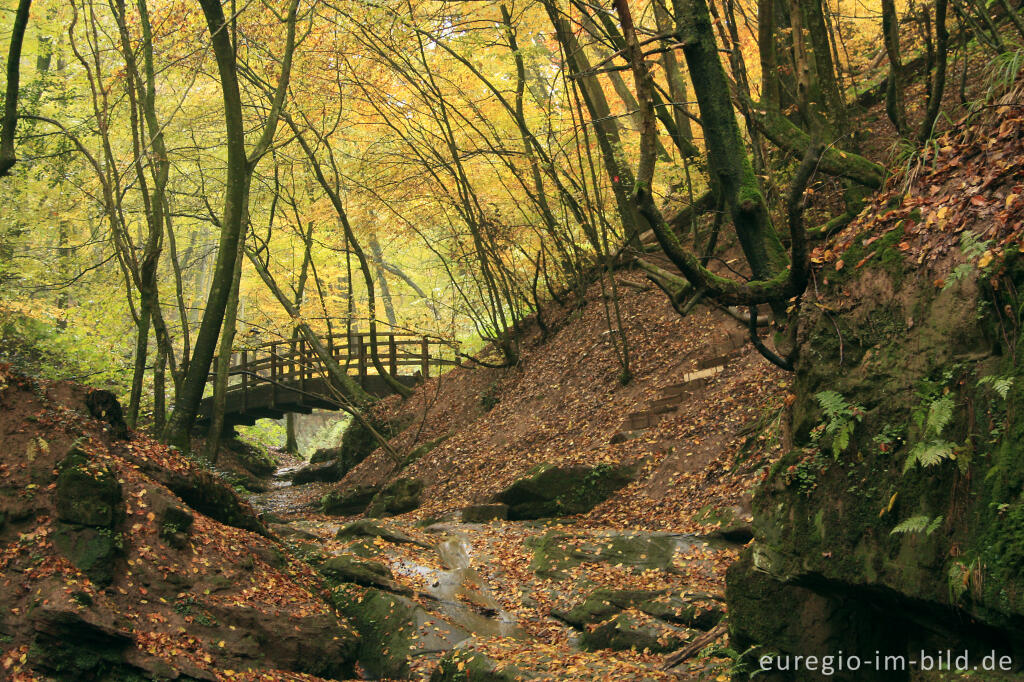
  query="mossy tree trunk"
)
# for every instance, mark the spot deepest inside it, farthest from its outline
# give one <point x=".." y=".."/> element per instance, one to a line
<point x="732" y="174"/>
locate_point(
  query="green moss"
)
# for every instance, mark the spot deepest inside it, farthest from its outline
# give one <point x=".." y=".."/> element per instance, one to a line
<point x="883" y="255"/>
<point x="552" y="491"/>
<point x="87" y="494"/>
<point x="400" y="496"/>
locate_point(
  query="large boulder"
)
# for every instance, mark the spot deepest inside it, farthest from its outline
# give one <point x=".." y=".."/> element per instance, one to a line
<point x="348" y="501"/>
<point x="400" y="496"/>
<point x="894" y="520"/>
<point x="550" y="491"/>
<point x="89" y="510"/>
<point x="393" y="629"/>
<point x="323" y="472"/>
<point x="556" y="552"/>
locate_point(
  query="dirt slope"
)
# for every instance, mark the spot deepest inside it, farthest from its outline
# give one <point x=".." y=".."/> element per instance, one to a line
<point x="564" y="404"/>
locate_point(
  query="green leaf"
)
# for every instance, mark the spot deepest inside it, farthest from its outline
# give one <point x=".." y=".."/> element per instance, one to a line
<point x="915" y="524"/>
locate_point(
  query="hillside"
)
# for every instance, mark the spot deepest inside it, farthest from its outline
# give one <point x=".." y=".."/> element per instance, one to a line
<point x="109" y="573"/>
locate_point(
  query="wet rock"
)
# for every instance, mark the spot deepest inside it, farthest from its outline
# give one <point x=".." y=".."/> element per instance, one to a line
<point x="482" y="513"/>
<point x="353" y="500"/>
<point x="368" y="529"/>
<point x="399" y="496"/>
<point x="324" y="472"/>
<point x="349" y="569"/>
<point x="392" y="629"/>
<point x="87" y="494"/>
<point x="549" y="490"/>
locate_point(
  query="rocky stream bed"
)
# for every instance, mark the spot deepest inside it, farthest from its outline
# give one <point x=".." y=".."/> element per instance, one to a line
<point x="443" y="598"/>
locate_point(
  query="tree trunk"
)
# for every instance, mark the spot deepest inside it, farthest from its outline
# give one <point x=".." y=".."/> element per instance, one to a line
<point x="186" y="401"/>
<point x="10" y="120"/>
<point x="894" y="107"/>
<point x="728" y="164"/>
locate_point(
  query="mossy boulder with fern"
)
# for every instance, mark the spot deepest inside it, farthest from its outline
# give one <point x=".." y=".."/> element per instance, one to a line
<point x="899" y="495"/>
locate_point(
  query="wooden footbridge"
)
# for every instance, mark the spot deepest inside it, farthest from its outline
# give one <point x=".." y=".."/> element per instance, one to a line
<point x="272" y="379"/>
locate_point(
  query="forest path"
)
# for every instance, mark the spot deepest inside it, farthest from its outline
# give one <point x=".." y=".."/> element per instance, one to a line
<point x="522" y="593"/>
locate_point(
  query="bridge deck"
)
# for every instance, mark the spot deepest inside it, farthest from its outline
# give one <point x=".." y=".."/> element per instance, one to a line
<point x="277" y="377"/>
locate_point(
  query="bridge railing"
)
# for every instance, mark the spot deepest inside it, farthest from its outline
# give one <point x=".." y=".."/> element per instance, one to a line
<point x="293" y="361"/>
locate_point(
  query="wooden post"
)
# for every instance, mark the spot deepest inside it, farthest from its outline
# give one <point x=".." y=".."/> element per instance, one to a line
<point x="361" y="348"/>
<point x="302" y="370"/>
<point x="273" y="374"/>
<point x="245" y="381"/>
<point x="425" y="358"/>
<point x="393" y="355"/>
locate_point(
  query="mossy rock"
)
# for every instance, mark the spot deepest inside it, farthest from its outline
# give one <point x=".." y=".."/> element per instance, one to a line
<point x="94" y="551"/>
<point x="322" y="472"/>
<point x="364" y="528"/>
<point x="357" y="442"/>
<point x="551" y="491"/>
<point x="349" y="501"/>
<point x="400" y="496"/>
<point x="602" y="604"/>
<point x="484" y="513"/>
<point x="87" y="494"/>
<point x="392" y="629"/>
<point x="824" y="522"/>
<point x="466" y="665"/>
<point x="208" y="495"/>
<point x="636" y="631"/>
<point x="698" y="612"/>
<point x="556" y="551"/>
<point x="253" y="458"/>
<point x="350" y="569"/>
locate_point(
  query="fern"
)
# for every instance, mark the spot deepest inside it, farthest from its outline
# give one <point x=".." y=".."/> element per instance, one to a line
<point x="932" y="449"/>
<point x="1000" y="384"/>
<point x="917" y="524"/>
<point x="939" y="415"/>
<point x="840" y="419"/>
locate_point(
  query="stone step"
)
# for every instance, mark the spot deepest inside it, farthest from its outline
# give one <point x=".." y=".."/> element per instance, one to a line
<point x="716" y="360"/>
<point x="667" y="404"/>
<point x="641" y="420"/>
